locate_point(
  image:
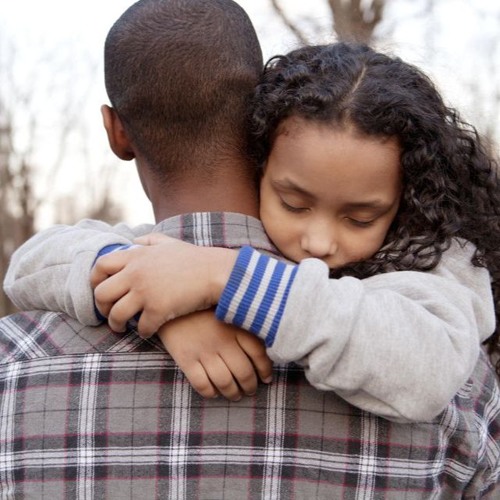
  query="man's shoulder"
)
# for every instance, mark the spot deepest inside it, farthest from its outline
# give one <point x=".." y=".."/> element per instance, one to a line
<point x="480" y="400"/>
<point x="30" y="335"/>
<point x="482" y="390"/>
<point x="474" y="413"/>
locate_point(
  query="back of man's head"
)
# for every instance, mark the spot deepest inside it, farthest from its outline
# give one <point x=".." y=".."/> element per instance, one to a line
<point x="179" y="74"/>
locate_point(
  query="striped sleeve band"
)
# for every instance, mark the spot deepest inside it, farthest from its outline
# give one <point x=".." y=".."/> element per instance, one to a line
<point x="256" y="294"/>
<point x="113" y="248"/>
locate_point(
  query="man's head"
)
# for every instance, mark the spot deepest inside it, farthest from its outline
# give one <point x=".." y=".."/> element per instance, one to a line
<point x="178" y="74"/>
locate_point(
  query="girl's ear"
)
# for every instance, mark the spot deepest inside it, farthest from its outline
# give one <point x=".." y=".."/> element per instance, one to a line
<point x="118" y="139"/>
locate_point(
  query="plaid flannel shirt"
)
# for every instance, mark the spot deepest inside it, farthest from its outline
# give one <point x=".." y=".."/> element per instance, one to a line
<point x="90" y="414"/>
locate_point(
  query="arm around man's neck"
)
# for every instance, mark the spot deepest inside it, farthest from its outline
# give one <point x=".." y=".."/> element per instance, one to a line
<point x="195" y="275"/>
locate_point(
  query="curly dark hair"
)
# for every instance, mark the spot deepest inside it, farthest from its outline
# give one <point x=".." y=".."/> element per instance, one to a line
<point x="451" y="186"/>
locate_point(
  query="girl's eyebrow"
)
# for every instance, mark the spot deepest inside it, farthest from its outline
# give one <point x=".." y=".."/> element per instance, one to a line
<point x="367" y="204"/>
<point x="354" y="205"/>
<point x="291" y="186"/>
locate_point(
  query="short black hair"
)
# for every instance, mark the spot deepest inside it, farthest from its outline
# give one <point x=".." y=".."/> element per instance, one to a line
<point x="179" y="74"/>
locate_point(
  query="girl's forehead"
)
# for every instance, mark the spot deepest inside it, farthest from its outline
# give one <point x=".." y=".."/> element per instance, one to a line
<point x="295" y="125"/>
<point x="330" y="133"/>
<point x="336" y="163"/>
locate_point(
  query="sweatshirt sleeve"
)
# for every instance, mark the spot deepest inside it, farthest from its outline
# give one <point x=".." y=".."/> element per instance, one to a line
<point x="51" y="270"/>
<point x="398" y="344"/>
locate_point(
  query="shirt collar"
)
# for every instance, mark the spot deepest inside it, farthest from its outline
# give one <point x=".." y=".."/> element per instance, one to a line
<point x="221" y="229"/>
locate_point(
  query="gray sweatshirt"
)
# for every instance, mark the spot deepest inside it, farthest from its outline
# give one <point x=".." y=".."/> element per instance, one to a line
<point x="399" y="344"/>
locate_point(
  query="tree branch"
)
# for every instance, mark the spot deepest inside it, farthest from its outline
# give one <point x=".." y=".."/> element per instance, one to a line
<point x="288" y="23"/>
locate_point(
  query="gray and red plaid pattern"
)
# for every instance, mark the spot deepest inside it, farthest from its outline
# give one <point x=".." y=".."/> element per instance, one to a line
<point x="91" y="414"/>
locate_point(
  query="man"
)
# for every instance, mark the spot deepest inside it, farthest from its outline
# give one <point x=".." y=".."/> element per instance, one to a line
<point x="89" y="413"/>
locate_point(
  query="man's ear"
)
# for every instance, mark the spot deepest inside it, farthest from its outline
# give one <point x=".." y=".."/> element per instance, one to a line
<point x="117" y="136"/>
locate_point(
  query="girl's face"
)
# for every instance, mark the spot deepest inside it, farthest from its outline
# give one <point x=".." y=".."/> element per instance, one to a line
<point x="329" y="193"/>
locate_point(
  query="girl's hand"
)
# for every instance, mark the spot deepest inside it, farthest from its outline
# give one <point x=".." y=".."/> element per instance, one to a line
<point x="162" y="279"/>
<point x="216" y="358"/>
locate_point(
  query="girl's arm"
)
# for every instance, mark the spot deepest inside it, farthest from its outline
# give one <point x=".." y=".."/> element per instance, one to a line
<point x="51" y="270"/>
<point x="216" y="358"/>
<point x="398" y="344"/>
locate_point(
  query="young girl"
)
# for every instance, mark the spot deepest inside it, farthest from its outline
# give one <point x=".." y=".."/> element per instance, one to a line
<point x="368" y="176"/>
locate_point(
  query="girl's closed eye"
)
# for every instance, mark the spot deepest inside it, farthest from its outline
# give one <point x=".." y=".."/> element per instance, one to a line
<point x="292" y="208"/>
<point x="361" y="223"/>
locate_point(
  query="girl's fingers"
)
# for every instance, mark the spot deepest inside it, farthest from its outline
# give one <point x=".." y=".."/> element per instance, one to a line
<point x="242" y="371"/>
<point x="108" y="292"/>
<point x="199" y="380"/>
<point x="255" y="350"/>
<point x="222" y="378"/>
<point x="151" y="239"/>
<point x="122" y="311"/>
<point x="106" y="266"/>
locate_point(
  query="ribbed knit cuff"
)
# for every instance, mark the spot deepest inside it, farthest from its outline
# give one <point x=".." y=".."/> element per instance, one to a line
<point x="256" y="294"/>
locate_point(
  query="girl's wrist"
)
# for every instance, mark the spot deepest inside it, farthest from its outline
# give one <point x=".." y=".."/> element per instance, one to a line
<point x="219" y="269"/>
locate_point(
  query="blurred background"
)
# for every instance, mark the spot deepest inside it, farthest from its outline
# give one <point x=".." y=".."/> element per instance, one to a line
<point x="55" y="166"/>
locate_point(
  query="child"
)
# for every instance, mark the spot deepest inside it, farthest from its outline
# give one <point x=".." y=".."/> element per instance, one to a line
<point x="371" y="175"/>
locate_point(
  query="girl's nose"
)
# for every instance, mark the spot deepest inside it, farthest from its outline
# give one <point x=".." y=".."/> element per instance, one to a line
<point x="319" y="242"/>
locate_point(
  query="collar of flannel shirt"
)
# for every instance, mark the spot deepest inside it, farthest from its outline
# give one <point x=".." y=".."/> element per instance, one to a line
<point x="220" y="229"/>
<point x="86" y="413"/>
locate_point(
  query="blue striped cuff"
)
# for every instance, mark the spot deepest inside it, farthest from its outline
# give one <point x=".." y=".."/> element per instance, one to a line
<point x="256" y="294"/>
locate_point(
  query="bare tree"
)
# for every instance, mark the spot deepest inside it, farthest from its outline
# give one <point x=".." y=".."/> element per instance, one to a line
<point x="361" y="20"/>
<point x="356" y="20"/>
<point x="28" y="168"/>
<point x="478" y="75"/>
<point x="352" y="20"/>
<point x="486" y="92"/>
<point x="17" y="203"/>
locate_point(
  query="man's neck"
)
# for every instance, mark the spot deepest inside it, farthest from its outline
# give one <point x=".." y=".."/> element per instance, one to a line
<point x="232" y="194"/>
